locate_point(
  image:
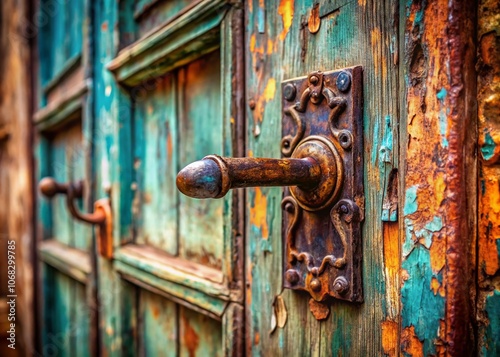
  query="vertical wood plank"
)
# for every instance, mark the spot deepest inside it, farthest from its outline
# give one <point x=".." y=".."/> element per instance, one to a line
<point x="200" y="134"/>
<point x="156" y="165"/>
<point x="281" y="47"/>
<point x="438" y="204"/>
<point x="199" y="335"/>
<point x="488" y="190"/>
<point x="113" y="176"/>
<point x="159" y="327"/>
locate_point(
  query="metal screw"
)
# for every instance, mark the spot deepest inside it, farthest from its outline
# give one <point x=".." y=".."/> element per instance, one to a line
<point x="340" y="285"/>
<point x="344" y="209"/>
<point x="313" y="79"/>
<point x="289" y="207"/>
<point x="251" y="104"/>
<point x="292" y="276"/>
<point x="315" y="285"/>
<point x="345" y="139"/>
<point x="343" y="81"/>
<point x="289" y="92"/>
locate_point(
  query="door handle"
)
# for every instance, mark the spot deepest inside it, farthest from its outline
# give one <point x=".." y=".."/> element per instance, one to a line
<point x="321" y="170"/>
<point x="102" y="215"/>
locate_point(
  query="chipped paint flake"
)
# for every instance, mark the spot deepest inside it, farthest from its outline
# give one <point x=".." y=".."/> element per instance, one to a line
<point x="411" y="204"/>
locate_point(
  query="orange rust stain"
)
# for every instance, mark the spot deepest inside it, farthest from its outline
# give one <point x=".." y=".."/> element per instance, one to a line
<point x="256" y="339"/>
<point x="253" y="43"/>
<point x="156" y="312"/>
<point x="258" y="213"/>
<point x="270" y="90"/>
<point x="435" y="285"/>
<point x="267" y="95"/>
<point x="391" y="247"/>
<point x="170" y="147"/>
<point x="362" y="2"/>
<point x="285" y="10"/>
<point x="390" y="337"/>
<point x="190" y="337"/>
<point x="376" y="50"/>
<point x="270" y="46"/>
<point x="392" y="264"/>
<point x="489" y="227"/>
<point x="437" y="252"/>
<point x="410" y="342"/>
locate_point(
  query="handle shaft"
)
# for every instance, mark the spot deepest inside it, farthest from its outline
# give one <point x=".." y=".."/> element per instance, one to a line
<point x="213" y="176"/>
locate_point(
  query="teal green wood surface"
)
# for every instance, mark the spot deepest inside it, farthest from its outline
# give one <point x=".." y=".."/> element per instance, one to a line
<point x="166" y="116"/>
<point x="61" y="38"/>
<point x="199" y="335"/>
<point x="279" y="46"/>
<point x="148" y="16"/>
<point x="155" y="163"/>
<point x="200" y="134"/>
<point x="66" y="316"/>
<point x="112" y="156"/>
<point x="67" y="164"/>
<point x="158" y="323"/>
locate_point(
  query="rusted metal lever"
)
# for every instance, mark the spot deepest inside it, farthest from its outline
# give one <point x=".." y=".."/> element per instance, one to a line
<point x="213" y="176"/>
<point x="102" y="215"/>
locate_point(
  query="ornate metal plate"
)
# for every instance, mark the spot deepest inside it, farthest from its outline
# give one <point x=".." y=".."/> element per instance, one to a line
<point x="322" y="119"/>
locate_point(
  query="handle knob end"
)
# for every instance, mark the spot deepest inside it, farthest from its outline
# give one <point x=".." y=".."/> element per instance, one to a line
<point x="200" y="179"/>
<point x="49" y="187"/>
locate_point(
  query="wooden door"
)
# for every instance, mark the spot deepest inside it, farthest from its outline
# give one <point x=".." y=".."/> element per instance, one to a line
<point x="155" y="85"/>
<point x="63" y="132"/>
<point x="167" y="85"/>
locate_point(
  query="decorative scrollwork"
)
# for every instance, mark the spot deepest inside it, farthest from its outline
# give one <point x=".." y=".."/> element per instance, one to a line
<point x="289" y="142"/>
<point x="290" y="205"/>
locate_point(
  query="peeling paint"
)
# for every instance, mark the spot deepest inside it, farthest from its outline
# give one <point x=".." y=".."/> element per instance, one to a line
<point x="258" y="213"/>
<point x="421" y="308"/>
<point x="285" y="10"/>
<point x="411" y="204"/>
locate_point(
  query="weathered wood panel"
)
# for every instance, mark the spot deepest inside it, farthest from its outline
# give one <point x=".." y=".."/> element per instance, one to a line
<point x="199" y="335"/>
<point x="66" y="164"/>
<point x="200" y="134"/>
<point x="438" y="187"/>
<point x="281" y="43"/>
<point x="488" y="298"/>
<point x="158" y="318"/>
<point x="156" y="157"/>
<point x="16" y="195"/>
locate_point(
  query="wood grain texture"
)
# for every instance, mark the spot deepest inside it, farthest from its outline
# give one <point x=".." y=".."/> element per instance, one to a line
<point x="281" y="47"/>
<point x="488" y="267"/>
<point x="16" y="164"/>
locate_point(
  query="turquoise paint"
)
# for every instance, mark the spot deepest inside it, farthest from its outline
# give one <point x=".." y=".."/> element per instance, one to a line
<point x="433" y="226"/>
<point x="488" y="148"/>
<point x="374" y="137"/>
<point x="491" y="340"/>
<point x="420" y="307"/>
<point x="411" y="204"/>
<point x="443" y="124"/>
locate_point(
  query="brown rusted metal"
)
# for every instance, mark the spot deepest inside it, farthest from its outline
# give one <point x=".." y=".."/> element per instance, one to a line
<point x="213" y="176"/>
<point x="323" y="174"/>
<point x="102" y="215"/>
<point x="323" y="241"/>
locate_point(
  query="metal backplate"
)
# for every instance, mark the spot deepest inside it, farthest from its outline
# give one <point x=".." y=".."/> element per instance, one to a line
<point x="322" y="119"/>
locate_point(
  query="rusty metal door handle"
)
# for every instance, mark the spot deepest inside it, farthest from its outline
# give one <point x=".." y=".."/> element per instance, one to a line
<point x="321" y="170"/>
<point x="102" y="215"/>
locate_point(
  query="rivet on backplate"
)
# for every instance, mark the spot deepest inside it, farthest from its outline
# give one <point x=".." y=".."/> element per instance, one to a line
<point x="343" y="81"/>
<point x="289" y="92"/>
<point x="340" y="285"/>
<point x="292" y="276"/>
